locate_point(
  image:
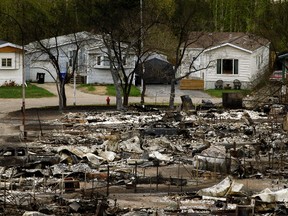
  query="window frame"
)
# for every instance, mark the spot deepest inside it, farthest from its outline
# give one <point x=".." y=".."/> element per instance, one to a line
<point x="71" y="56"/>
<point x="220" y="66"/>
<point x="98" y="60"/>
<point x="104" y="61"/>
<point x="6" y="62"/>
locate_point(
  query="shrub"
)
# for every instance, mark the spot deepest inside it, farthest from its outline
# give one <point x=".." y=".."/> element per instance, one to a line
<point x="10" y="83"/>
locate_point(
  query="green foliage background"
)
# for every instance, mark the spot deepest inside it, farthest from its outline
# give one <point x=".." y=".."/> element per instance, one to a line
<point x="46" y="18"/>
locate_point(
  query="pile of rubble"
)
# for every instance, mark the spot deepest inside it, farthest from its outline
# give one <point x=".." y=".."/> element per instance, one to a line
<point x="75" y="168"/>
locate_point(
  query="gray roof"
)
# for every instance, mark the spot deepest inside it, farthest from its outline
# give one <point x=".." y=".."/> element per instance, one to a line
<point x="62" y="40"/>
<point x="240" y="39"/>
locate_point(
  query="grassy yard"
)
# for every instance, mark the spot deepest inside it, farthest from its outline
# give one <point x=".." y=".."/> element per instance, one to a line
<point x="31" y="91"/>
<point x="218" y="92"/>
<point x="135" y="92"/>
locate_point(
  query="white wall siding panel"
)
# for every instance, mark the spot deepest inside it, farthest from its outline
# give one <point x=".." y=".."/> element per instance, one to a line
<point x="251" y="63"/>
<point x="99" y="77"/>
<point x="13" y="74"/>
<point x="187" y="60"/>
<point x="42" y="67"/>
<point x="228" y="53"/>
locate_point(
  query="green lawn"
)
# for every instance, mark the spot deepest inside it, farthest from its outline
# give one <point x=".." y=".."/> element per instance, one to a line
<point x="135" y="92"/>
<point x="218" y="92"/>
<point x="31" y="91"/>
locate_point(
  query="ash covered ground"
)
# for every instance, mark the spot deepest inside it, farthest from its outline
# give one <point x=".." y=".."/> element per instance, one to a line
<point x="145" y="161"/>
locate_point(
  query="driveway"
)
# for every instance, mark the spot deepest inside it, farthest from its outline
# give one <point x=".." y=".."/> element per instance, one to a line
<point x="164" y="91"/>
<point x="154" y="94"/>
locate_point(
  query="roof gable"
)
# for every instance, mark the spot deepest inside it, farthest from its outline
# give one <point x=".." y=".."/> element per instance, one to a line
<point x="228" y="44"/>
<point x="240" y="40"/>
<point x="5" y="44"/>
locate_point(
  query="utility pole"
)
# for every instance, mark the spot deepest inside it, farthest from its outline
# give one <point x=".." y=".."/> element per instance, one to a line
<point x="143" y="87"/>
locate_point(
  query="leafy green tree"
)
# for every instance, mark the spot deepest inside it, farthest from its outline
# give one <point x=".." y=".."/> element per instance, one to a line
<point x="233" y="15"/>
<point x="271" y="22"/>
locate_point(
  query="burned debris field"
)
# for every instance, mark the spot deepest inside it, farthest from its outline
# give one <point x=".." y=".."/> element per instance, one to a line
<point x="147" y="161"/>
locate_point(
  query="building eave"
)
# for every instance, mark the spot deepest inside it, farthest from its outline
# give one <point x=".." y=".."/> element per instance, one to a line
<point x="228" y="44"/>
<point x="10" y="45"/>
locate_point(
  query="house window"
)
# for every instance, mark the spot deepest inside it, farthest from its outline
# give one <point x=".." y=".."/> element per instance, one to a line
<point x="227" y="66"/>
<point x="6" y="62"/>
<point x="72" y="58"/>
<point x="259" y="61"/>
<point x="124" y="61"/>
<point x="98" y="60"/>
<point x="102" y="60"/>
<point x="106" y="61"/>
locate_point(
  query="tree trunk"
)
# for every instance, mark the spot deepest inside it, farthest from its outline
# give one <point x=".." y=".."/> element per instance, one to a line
<point x="125" y="99"/>
<point x="119" y="103"/>
<point x="143" y="92"/>
<point x="172" y="94"/>
<point x="62" y="96"/>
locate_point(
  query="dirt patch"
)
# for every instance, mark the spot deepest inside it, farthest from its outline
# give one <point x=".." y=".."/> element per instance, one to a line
<point x="99" y="90"/>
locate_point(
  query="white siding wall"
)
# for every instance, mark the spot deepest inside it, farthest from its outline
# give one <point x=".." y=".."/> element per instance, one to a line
<point x="198" y="63"/>
<point x="38" y="63"/>
<point x="86" y="62"/>
<point x="34" y="61"/>
<point x="13" y="74"/>
<point x="37" y="69"/>
<point x="259" y="61"/>
<point x="100" y="76"/>
<point x="247" y="66"/>
<point x="101" y="73"/>
<point x="227" y="52"/>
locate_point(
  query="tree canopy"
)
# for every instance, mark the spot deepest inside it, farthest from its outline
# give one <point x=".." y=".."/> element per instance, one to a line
<point x="46" y="18"/>
<point x="144" y="25"/>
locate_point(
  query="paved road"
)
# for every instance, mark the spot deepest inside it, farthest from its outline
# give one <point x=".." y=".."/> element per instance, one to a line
<point x="155" y="94"/>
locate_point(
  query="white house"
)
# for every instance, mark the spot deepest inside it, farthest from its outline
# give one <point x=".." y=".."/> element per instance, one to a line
<point x="11" y="67"/>
<point x="92" y="59"/>
<point x="98" y="64"/>
<point x="225" y="56"/>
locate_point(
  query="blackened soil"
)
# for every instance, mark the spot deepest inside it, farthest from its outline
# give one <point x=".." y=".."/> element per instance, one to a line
<point x="53" y="112"/>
